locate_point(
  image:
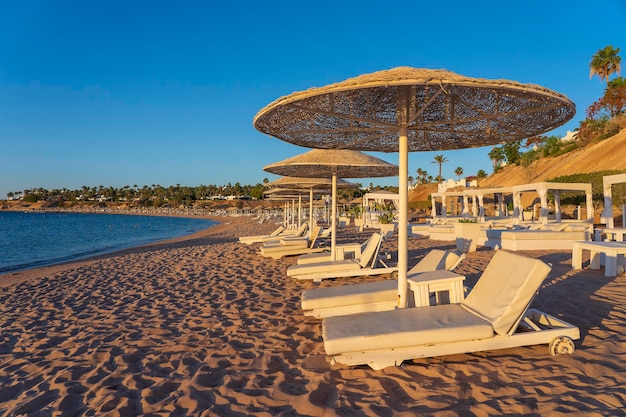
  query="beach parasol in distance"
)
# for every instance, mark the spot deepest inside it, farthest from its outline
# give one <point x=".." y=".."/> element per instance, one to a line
<point x="322" y="163"/>
<point x="410" y="109"/>
<point x="286" y="195"/>
<point x="309" y="184"/>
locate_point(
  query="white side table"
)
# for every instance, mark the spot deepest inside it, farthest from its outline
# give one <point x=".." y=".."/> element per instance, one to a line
<point x="424" y="283"/>
<point x="611" y="250"/>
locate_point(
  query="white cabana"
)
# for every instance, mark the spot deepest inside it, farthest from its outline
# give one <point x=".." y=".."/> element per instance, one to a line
<point x="542" y="189"/>
<point x="478" y="200"/>
<point x="380" y="197"/>
<point x="607" y="213"/>
<point x="443" y="196"/>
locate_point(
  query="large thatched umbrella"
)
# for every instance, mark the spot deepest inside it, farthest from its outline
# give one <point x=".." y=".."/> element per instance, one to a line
<point x="320" y="163"/>
<point x="408" y="109"/>
<point x="309" y="184"/>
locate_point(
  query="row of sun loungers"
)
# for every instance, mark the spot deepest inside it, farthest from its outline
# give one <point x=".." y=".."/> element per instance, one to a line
<point x="367" y="263"/>
<point x="291" y="246"/>
<point x="278" y="234"/>
<point x="361" y="324"/>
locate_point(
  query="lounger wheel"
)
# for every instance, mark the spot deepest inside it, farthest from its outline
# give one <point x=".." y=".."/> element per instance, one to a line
<point x="561" y="345"/>
<point x="394" y="275"/>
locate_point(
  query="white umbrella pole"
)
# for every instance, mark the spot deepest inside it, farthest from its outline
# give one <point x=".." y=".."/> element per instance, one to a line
<point x="311" y="206"/>
<point x="403" y="223"/>
<point x="285" y="209"/>
<point x="300" y="210"/>
<point x="333" y="239"/>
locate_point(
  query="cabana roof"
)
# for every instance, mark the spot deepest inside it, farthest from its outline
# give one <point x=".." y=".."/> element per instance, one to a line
<point x="562" y="186"/>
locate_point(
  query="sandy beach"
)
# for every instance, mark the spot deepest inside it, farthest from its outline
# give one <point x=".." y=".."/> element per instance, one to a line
<point x="203" y="326"/>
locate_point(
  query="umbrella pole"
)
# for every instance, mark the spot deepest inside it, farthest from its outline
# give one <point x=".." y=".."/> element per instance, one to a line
<point x="403" y="223"/>
<point x="300" y="210"/>
<point x="333" y="239"/>
<point x="311" y="206"/>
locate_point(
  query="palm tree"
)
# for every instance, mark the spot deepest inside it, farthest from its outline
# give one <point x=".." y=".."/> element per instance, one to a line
<point x="605" y="62"/>
<point x="439" y="159"/>
<point x="458" y="172"/>
<point x="496" y="154"/>
<point x="422" y="176"/>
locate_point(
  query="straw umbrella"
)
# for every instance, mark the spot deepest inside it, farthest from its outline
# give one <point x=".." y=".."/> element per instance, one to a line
<point x="286" y="195"/>
<point x="409" y="109"/>
<point x="309" y="184"/>
<point x="320" y="163"/>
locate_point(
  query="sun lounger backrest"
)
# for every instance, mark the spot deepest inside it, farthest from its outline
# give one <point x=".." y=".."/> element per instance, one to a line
<point x="301" y="230"/>
<point x="278" y="231"/>
<point x="505" y="289"/>
<point x="452" y="260"/>
<point x="372" y="248"/>
<point x="434" y="260"/>
<point x="315" y="232"/>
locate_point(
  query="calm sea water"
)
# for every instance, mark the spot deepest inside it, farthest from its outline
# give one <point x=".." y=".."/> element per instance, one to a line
<point x="29" y="240"/>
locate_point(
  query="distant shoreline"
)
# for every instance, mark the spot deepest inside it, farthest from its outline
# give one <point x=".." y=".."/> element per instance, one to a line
<point x="110" y="209"/>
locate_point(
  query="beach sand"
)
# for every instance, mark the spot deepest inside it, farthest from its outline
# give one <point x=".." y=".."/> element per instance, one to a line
<point x="204" y="326"/>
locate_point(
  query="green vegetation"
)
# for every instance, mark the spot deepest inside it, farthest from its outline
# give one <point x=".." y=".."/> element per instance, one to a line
<point x="423" y="177"/>
<point x="356" y="211"/>
<point x="605" y="62"/>
<point x="595" y="179"/>
<point x="386" y="217"/>
<point x="157" y="195"/>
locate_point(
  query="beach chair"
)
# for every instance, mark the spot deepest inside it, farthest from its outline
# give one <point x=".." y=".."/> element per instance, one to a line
<point x="370" y="296"/>
<point x="367" y="264"/>
<point x="342" y="251"/>
<point x="494" y="315"/>
<point x="291" y="247"/>
<point x="277" y="235"/>
<point x="251" y="239"/>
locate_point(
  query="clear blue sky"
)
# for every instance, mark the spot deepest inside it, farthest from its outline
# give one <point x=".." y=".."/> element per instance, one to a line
<point x="164" y="92"/>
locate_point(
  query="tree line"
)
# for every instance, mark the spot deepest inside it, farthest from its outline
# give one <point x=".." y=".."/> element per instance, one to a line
<point x="157" y="195"/>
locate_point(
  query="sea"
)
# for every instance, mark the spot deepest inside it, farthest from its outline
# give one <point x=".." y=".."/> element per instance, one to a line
<point x="33" y="239"/>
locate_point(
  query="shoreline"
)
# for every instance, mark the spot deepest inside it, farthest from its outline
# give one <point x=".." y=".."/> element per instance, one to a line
<point x="15" y="277"/>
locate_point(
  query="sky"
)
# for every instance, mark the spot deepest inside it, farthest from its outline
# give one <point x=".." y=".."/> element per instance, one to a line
<point x="119" y="93"/>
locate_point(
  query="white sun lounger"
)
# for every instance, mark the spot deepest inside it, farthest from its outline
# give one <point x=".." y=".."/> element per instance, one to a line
<point x="290" y="247"/>
<point x="494" y="315"/>
<point x="342" y="251"/>
<point x="249" y="240"/>
<point x="365" y="265"/>
<point x="370" y="296"/>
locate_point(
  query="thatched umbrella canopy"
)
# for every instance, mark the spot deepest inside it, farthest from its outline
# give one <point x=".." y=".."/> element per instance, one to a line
<point x="441" y="110"/>
<point x="319" y="163"/>
<point x="408" y="109"/>
<point x="308" y="183"/>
